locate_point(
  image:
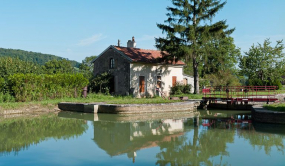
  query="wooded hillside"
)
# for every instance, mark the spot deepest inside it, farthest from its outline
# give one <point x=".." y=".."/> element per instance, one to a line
<point x="30" y="56"/>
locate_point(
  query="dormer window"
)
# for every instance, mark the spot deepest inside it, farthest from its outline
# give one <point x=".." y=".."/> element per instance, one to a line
<point x="112" y="63"/>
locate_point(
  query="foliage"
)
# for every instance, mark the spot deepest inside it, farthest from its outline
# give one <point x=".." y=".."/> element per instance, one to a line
<point x="6" y="97"/>
<point x="204" y="83"/>
<point x="187" y="31"/>
<point x="86" y="67"/>
<point x="101" y="83"/>
<point x="180" y="88"/>
<point x="220" y="56"/>
<point x="58" y="66"/>
<point x="223" y="78"/>
<point x="2" y="84"/>
<point x="263" y="63"/>
<point x="275" y="83"/>
<point x="255" y="82"/>
<point x="29" y="87"/>
<point x="34" y="57"/>
<point x="10" y="66"/>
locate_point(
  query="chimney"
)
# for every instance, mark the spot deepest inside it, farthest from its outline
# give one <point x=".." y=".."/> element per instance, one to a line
<point x="119" y="42"/>
<point x="132" y="43"/>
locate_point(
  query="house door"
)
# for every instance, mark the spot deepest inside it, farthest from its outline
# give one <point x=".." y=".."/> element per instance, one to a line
<point x="112" y="85"/>
<point x="142" y="84"/>
<point x="116" y="84"/>
<point x="173" y="81"/>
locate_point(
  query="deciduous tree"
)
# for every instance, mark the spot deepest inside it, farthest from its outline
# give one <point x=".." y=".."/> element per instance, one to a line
<point x="58" y="66"/>
<point x="263" y="63"/>
<point x="86" y="66"/>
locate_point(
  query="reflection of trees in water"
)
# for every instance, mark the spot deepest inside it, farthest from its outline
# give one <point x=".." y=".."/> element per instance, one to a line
<point x="195" y="151"/>
<point x="263" y="140"/>
<point x="19" y="134"/>
<point x="202" y="147"/>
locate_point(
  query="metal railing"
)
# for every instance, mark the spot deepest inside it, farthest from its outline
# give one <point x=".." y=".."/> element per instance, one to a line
<point x="239" y="93"/>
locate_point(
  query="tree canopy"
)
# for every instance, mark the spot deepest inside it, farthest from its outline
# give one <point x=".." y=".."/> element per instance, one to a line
<point x="10" y="66"/>
<point x="58" y="66"/>
<point x="30" y="56"/>
<point x="263" y="63"/>
<point x="86" y="66"/>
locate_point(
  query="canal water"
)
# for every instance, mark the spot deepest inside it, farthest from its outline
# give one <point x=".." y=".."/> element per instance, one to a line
<point x="202" y="138"/>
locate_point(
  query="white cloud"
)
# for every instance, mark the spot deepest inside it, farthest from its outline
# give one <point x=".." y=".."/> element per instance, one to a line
<point x="92" y="39"/>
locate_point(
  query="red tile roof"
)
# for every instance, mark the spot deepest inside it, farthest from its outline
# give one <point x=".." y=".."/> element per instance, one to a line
<point x="143" y="55"/>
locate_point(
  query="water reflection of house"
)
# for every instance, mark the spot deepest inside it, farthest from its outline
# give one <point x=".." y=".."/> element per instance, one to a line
<point x="170" y="126"/>
<point x="120" y="138"/>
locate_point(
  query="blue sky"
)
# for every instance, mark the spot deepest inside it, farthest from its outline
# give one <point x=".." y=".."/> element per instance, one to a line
<point x="75" y="29"/>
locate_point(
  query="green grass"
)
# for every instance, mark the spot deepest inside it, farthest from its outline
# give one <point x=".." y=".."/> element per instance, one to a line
<point x="275" y="107"/>
<point x="190" y="96"/>
<point x="92" y="98"/>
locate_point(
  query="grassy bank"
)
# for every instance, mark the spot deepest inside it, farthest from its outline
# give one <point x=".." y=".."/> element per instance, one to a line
<point x="91" y="98"/>
<point x="275" y="107"/>
<point x="190" y="96"/>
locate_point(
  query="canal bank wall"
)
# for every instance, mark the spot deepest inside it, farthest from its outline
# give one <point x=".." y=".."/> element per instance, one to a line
<point x="224" y="106"/>
<point x="260" y="114"/>
<point x="129" y="108"/>
<point x="30" y="109"/>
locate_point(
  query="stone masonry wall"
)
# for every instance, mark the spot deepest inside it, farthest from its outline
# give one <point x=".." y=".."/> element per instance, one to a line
<point x="261" y="114"/>
<point x="121" y="71"/>
<point x="190" y="106"/>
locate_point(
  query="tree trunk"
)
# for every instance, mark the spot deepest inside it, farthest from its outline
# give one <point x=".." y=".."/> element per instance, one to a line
<point x="196" y="76"/>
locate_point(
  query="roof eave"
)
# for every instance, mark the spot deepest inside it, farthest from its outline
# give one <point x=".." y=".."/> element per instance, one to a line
<point x="155" y="63"/>
<point x="125" y="56"/>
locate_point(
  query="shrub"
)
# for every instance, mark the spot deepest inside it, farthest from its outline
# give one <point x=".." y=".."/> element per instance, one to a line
<point x="6" y="97"/>
<point x="180" y="88"/>
<point x="275" y="83"/>
<point x="255" y="82"/>
<point x="101" y="83"/>
<point x="30" y="87"/>
<point x="258" y="82"/>
<point x="2" y="84"/>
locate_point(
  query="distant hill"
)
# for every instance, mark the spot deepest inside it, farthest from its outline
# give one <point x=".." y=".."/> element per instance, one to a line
<point x="35" y="57"/>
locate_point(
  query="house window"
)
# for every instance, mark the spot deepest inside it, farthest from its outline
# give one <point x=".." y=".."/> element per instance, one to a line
<point x="142" y="84"/>
<point x="112" y="63"/>
<point x="173" y="81"/>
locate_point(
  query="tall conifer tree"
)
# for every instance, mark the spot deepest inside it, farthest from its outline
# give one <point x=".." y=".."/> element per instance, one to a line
<point x="188" y="27"/>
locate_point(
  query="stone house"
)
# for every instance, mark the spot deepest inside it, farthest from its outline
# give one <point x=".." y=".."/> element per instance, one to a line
<point x="139" y="72"/>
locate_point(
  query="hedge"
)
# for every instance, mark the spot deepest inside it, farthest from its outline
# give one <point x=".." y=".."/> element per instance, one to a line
<point x="31" y="87"/>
